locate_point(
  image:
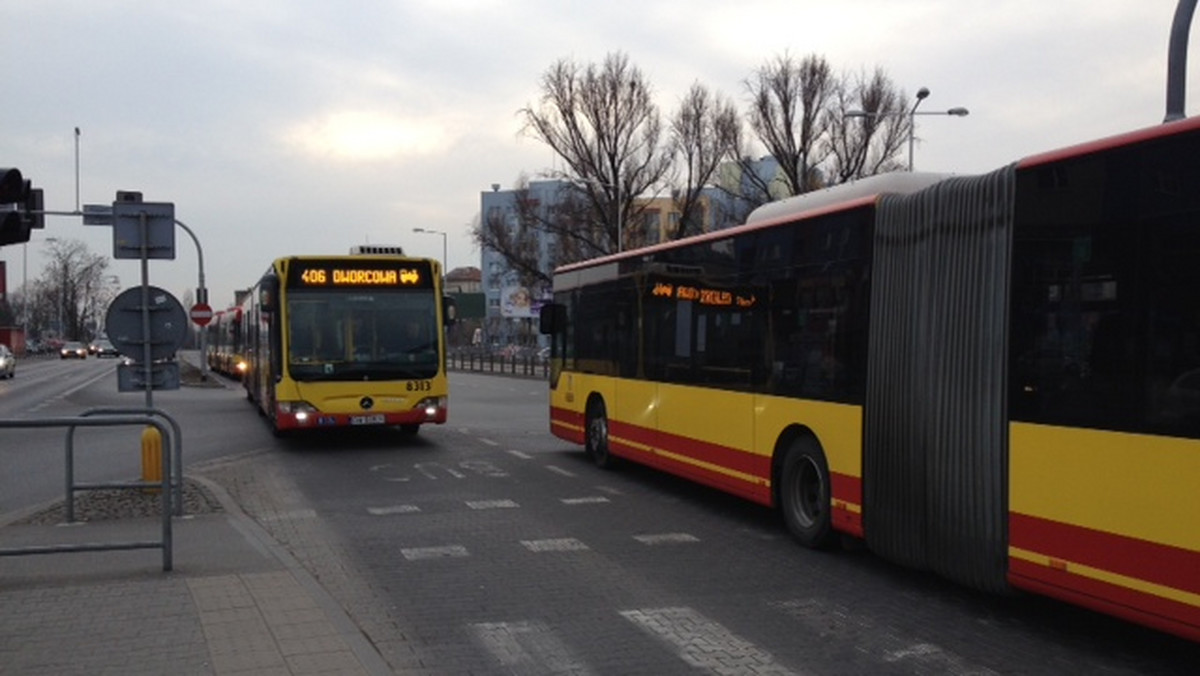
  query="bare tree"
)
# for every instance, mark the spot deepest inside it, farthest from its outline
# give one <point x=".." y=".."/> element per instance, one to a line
<point x="789" y="113"/>
<point x="867" y="144"/>
<point x="65" y="300"/>
<point x="601" y="121"/>
<point x="704" y="132"/>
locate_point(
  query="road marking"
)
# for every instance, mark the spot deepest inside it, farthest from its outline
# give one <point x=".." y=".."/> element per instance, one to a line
<point x="610" y="490"/>
<point x="424" y="553"/>
<point x="559" y="470"/>
<point x="489" y="442"/>
<point x="591" y="500"/>
<point x="705" y="644"/>
<point x="521" y="454"/>
<point x="666" y="538"/>
<point x="837" y="622"/>
<point x="528" y="648"/>
<point x="395" y="509"/>
<point x="554" y="545"/>
<point x="291" y="515"/>
<point x="483" y="467"/>
<point x="491" y="504"/>
<point x="427" y="468"/>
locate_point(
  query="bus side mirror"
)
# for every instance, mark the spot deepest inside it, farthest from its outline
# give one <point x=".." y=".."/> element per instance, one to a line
<point x="449" y="310"/>
<point x="553" y="318"/>
<point x="268" y="294"/>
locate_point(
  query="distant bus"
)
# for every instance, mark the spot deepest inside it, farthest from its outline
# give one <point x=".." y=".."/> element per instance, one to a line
<point x="334" y="341"/>
<point x="995" y="377"/>
<point x="224" y="343"/>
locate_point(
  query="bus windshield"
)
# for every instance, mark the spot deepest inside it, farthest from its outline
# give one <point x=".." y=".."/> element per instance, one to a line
<point x="362" y="335"/>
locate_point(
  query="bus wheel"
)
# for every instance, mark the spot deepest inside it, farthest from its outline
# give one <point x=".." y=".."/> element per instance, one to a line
<point x="804" y="495"/>
<point x="596" y="434"/>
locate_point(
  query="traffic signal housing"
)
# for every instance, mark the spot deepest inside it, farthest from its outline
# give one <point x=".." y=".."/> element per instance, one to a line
<point x="21" y="207"/>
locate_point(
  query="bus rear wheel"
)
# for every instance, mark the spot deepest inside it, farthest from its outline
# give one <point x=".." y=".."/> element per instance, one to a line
<point x="804" y="495"/>
<point x="596" y="434"/>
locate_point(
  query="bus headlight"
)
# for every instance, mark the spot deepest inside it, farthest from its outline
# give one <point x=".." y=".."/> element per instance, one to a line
<point x="431" y="406"/>
<point x="300" y="410"/>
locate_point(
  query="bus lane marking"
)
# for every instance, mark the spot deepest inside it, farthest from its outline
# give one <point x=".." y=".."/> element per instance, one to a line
<point x="427" y="468"/>
<point x="705" y="644"/>
<point x="426" y="553"/>
<point x="528" y="648"/>
<point x="590" y="500"/>
<point x="394" y="509"/>
<point x="555" y="545"/>
<point x="492" y="504"/>
<point x="484" y="468"/>
<point x="835" y="620"/>
<point x="666" y="538"/>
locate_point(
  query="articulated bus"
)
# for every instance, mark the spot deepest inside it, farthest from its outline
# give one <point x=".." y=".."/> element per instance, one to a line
<point x="224" y="343"/>
<point x="348" y="341"/>
<point x="995" y="378"/>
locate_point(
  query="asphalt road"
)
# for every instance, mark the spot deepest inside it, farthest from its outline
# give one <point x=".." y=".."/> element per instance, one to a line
<point x="487" y="546"/>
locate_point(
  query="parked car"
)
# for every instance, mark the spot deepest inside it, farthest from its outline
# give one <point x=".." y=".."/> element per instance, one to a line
<point x="73" y="350"/>
<point x="105" y="348"/>
<point x="8" y="362"/>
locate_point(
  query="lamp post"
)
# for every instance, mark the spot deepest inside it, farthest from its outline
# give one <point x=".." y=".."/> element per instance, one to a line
<point x="911" y="114"/>
<point x="443" y="234"/>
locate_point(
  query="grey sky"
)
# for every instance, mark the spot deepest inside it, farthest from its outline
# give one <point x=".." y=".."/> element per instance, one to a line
<point x="306" y="127"/>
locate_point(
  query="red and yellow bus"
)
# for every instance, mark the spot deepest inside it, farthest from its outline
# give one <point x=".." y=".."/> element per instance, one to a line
<point x="347" y="341"/>
<point x="994" y="377"/>
<point x="224" y="343"/>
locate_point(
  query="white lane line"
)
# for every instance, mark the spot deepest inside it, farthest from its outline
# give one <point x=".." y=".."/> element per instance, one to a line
<point x="520" y="454"/>
<point x="289" y="515"/>
<point x="425" y="553"/>
<point x="528" y="648"/>
<point x="591" y="500"/>
<point x="610" y="490"/>
<point x="491" y="504"/>
<point x="559" y="470"/>
<point x="666" y="538"/>
<point x="705" y="644"/>
<point x="554" y="545"/>
<point x="393" y="509"/>
<point x="489" y="442"/>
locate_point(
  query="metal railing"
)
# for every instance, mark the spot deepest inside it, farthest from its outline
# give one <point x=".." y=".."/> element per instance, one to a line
<point x="165" y="543"/>
<point x="516" y="365"/>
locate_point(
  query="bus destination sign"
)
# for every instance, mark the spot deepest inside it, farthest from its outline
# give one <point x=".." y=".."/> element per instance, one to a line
<point x="358" y="275"/>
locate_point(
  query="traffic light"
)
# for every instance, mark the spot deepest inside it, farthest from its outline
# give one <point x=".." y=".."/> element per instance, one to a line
<point x="21" y="207"/>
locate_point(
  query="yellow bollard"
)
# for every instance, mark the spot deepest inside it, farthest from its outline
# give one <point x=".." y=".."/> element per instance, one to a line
<point x="152" y="469"/>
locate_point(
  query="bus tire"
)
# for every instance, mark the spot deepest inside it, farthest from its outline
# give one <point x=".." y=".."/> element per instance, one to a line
<point x="804" y="494"/>
<point x="596" y="434"/>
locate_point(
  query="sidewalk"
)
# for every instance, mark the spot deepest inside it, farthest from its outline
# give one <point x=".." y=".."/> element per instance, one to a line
<point x="235" y="602"/>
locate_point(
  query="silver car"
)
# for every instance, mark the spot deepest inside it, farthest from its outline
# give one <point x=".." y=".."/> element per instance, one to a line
<point x="8" y="362"/>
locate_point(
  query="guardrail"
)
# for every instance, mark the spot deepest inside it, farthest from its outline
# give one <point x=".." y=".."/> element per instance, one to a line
<point x="529" y="367"/>
<point x="166" y="543"/>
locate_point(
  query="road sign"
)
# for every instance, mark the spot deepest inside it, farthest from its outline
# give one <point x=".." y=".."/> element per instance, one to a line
<point x="201" y="314"/>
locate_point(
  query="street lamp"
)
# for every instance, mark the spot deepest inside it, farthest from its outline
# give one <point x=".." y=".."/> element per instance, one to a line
<point x="922" y="94"/>
<point x="429" y="231"/>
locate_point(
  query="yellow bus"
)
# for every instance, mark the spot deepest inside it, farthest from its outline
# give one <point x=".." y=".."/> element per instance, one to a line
<point x="224" y="343"/>
<point x="353" y="340"/>
<point x="995" y="378"/>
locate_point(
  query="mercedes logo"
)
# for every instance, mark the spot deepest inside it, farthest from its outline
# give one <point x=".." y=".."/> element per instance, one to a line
<point x="366" y="403"/>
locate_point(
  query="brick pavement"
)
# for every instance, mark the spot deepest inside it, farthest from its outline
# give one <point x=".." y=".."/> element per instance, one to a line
<point x="235" y="602"/>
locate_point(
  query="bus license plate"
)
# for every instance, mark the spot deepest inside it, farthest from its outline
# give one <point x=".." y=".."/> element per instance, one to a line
<point x="366" y="420"/>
